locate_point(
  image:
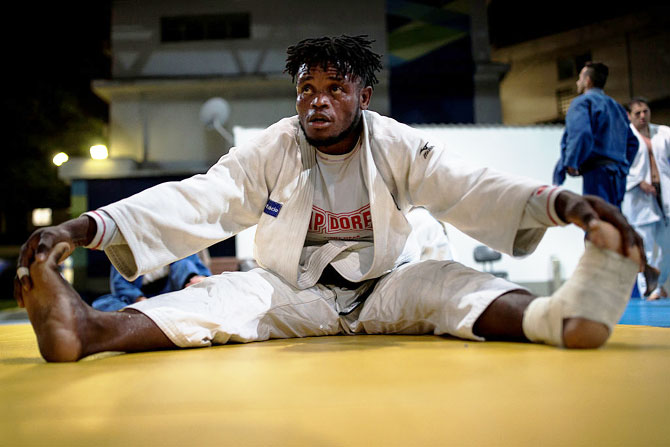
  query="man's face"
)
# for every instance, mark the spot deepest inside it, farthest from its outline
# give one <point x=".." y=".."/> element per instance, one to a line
<point x="584" y="81"/>
<point x="329" y="108"/>
<point x="639" y="115"/>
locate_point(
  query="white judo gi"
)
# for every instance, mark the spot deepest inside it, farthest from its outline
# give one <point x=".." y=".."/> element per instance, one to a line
<point x="642" y="210"/>
<point x="270" y="182"/>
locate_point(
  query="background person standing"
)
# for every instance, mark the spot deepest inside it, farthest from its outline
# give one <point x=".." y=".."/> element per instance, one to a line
<point x="597" y="143"/>
<point x="646" y="204"/>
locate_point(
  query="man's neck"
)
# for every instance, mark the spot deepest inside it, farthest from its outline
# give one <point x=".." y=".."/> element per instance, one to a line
<point x="340" y="148"/>
<point x="346" y="144"/>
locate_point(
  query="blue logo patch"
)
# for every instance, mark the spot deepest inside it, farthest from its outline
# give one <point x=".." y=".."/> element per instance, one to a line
<point x="272" y="208"/>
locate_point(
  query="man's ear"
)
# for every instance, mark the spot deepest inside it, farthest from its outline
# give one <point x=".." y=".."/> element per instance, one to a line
<point x="365" y="95"/>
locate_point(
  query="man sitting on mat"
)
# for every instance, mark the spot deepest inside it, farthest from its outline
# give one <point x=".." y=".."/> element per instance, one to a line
<point x="329" y="190"/>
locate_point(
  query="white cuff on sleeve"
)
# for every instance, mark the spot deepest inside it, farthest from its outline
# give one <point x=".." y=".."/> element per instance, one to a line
<point x="541" y="208"/>
<point x="106" y="230"/>
<point x="552" y="193"/>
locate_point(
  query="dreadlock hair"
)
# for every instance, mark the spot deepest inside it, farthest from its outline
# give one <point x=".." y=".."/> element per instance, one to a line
<point x="347" y="54"/>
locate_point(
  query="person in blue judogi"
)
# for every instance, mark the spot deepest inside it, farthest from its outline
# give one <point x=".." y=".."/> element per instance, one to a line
<point x="176" y="276"/>
<point x="598" y="143"/>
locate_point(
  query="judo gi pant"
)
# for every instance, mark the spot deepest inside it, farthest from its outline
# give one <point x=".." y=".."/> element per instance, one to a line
<point x="605" y="181"/>
<point x="427" y="297"/>
<point x="656" y="238"/>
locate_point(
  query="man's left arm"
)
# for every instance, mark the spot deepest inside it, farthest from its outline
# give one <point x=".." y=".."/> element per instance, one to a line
<point x="483" y="203"/>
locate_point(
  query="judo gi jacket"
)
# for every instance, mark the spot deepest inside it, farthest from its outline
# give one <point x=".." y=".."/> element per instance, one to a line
<point x="639" y="207"/>
<point x="270" y="182"/>
<point x="596" y="128"/>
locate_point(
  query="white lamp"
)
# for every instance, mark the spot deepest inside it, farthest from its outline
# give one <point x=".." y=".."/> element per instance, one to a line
<point x="60" y="158"/>
<point x="99" y="152"/>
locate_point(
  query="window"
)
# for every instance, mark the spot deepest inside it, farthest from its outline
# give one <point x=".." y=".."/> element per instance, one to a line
<point x="569" y="67"/>
<point x="563" y="99"/>
<point x="581" y="60"/>
<point x="205" y="27"/>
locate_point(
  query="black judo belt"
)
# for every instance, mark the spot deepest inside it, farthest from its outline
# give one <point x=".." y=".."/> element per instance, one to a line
<point x="593" y="163"/>
<point x="330" y="276"/>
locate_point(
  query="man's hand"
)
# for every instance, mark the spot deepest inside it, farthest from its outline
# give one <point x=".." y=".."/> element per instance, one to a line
<point x="648" y="188"/>
<point x="587" y="212"/>
<point x="572" y="171"/>
<point x="75" y="232"/>
<point x="195" y="279"/>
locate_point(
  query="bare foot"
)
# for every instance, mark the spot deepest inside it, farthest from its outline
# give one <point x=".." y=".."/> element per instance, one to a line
<point x="651" y="275"/>
<point x="658" y="294"/>
<point x="56" y="311"/>
<point x="654" y="296"/>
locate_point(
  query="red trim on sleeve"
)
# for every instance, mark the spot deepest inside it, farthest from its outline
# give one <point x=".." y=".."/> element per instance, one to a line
<point x="548" y="201"/>
<point x="104" y="229"/>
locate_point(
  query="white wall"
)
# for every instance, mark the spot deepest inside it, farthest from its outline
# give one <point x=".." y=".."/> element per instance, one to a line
<point x="527" y="151"/>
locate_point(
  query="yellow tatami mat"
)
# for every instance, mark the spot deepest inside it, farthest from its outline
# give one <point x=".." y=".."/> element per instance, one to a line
<point x="340" y="391"/>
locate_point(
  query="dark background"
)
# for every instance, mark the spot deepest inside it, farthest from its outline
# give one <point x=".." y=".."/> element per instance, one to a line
<point x="53" y="50"/>
<point x="51" y="53"/>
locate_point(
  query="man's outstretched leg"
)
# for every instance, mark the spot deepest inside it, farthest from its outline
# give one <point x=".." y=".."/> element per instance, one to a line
<point x="582" y="313"/>
<point x="67" y="329"/>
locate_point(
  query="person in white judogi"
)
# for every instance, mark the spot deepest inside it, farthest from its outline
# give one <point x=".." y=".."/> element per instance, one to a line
<point x="330" y="190"/>
<point x="646" y="204"/>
